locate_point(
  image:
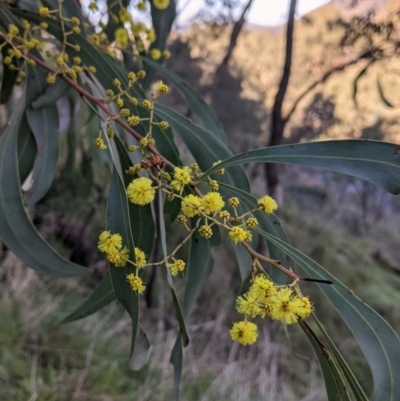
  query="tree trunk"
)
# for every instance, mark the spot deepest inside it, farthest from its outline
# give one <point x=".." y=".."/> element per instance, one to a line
<point x="278" y="122"/>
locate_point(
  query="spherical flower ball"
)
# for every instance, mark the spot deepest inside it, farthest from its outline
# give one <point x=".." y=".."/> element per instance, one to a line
<point x="121" y="37"/>
<point x="181" y="177"/>
<point x="303" y="307"/>
<point x="248" y="305"/>
<point x="267" y="204"/>
<point x="118" y="259"/>
<point x="136" y="283"/>
<point x="262" y="287"/>
<point x="161" y="4"/>
<point x="191" y="205"/>
<point x="244" y="332"/>
<point x="237" y="234"/>
<point x="155" y="54"/>
<point x="140" y="258"/>
<point x="176" y="267"/>
<point x="285" y="306"/>
<point x="109" y="243"/>
<point x="212" y="202"/>
<point x="140" y="191"/>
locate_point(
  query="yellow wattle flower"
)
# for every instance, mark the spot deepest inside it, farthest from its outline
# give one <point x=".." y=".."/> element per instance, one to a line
<point x="121" y="37"/>
<point x="244" y="332"/>
<point x="161" y="4"/>
<point x="140" y="191"/>
<point x="267" y="204"/>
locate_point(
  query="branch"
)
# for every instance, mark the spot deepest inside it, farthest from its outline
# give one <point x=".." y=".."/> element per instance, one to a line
<point x="237" y="28"/>
<point x="99" y="103"/>
<point x="325" y="77"/>
<point x="283" y="85"/>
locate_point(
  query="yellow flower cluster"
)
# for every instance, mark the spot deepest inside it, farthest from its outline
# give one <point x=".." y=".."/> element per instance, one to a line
<point x="121" y="37"/>
<point x="176" y="267"/>
<point x="181" y="178"/>
<point x="118" y="255"/>
<point x="267" y="204"/>
<point x="140" y="191"/>
<point x="265" y="299"/>
<point x="211" y="202"/>
<point x="161" y="4"/>
<point x="111" y="245"/>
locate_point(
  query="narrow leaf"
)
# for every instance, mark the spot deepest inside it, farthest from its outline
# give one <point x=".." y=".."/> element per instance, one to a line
<point x="118" y="221"/>
<point x="378" y="341"/>
<point x="177" y="306"/>
<point x="335" y="387"/>
<point x="141" y="217"/>
<point x="26" y="150"/>
<point x="177" y="362"/>
<point x="374" y="161"/>
<point x="351" y="379"/>
<point x="16" y="229"/>
<point x="44" y="126"/>
<point x="141" y="352"/>
<point x="9" y="77"/>
<point x="53" y="93"/>
<point x="199" y="267"/>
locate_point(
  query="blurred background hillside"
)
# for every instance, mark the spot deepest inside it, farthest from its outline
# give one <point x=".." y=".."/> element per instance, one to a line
<point x="344" y="83"/>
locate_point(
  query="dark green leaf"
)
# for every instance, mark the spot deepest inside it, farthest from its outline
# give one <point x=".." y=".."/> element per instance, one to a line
<point x="335" y="386"/>
<point x="141" y="352"/>
<point x="141" y="217"/>
<point x="378" y="341"/>
<point x="348" y="374"/>
<point x="26" y="150"/>
<point x="52" y="94"/>
<point x="99" y="298"/>
<point x="175" y="300"/>
<point x="374" y="161"/>
<point x="44" y="126"/>
<point x="177" y="362"/>
<point x="197" y="104"/>
<point x="118" y="221"/>
<point x="16" y="229"/>
<point x="29" y="5"/>
<point x="199" y="267"/>
<point x="9" y="77"/>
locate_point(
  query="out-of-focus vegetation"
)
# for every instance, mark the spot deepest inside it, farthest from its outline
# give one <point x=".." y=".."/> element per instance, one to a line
<point x="244" y="97"/>
<point x="347" y="226"/>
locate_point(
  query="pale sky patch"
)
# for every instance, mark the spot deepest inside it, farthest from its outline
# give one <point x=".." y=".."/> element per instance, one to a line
<point x="263" y="12"/>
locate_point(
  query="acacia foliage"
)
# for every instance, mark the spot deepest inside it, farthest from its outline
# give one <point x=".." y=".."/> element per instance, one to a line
<point x="43" y="45"/>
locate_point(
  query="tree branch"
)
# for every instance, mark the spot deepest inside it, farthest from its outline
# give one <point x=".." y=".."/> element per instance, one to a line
<point x="277" y="120"/>
<point x="323" y="79"/>
<point x="237" y="28"/>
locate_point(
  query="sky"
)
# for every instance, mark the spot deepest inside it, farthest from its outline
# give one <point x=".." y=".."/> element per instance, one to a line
<point x="263" y="12"/>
